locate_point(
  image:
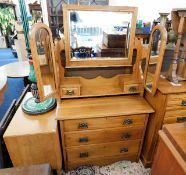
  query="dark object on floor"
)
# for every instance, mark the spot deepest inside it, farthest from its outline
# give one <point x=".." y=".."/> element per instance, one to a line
<point x="4" y="156"/>
<point x="43" y="169"/>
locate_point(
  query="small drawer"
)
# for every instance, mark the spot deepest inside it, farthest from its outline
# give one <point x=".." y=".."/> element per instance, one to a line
<point x="175" y="100"/>
<point x="105" y="122"/>
<point x="102" y="136"/>
<point x="170" y="120"/>
<point x="99" y="150"/>
<point x="132" y="88"/>
<point x="70" y="92"/>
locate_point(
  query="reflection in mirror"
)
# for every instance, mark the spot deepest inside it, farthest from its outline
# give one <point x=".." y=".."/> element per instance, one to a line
<point x="153" y="61"/>
<point x="96" y="34"/>
<point x="45" y="61"/>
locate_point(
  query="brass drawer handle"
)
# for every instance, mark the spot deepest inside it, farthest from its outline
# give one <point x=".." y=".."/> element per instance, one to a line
<point x="133" y="89"/>
<point x="83" y="125"/>
<point x="70" y="92"/>
<point x="83" y="139"/>
<point x="125" y="136"/>
<point x="83" y="154"/>
<point x="128" y="121"/>
<point x="181" y="119"/>
<point x="124" y="150"/>
<point x="183" y="103"/>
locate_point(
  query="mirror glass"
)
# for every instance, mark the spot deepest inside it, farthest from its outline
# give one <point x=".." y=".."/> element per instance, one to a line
<point x="43" y="45"/>
<point x="154" y="56"/>
<point x="99" y="34"/>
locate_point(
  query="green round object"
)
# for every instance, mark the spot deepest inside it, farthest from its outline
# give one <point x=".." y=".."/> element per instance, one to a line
<point x="33" y="108"/>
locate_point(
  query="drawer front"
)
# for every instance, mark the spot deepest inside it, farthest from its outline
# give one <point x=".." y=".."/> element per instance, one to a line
<point x="176" y="100"/>
<point x="101" y="161"/>
<point x="70" y="92"/>
<point x="99" y="150"/>
<point x="102" y="136"/>
<point x="170" y="120"/>
<point x="130" y="89"/>
<point x="106" y="122"/>
<point x="175" y="113"/>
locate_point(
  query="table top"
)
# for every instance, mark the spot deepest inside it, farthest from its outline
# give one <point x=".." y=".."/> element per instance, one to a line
<point x="177" y="134"/>
<point x="24" y="124"/>
<point x="15" y="69"/>
<point x="43" y="169"/>
<point x="3" y="86"/>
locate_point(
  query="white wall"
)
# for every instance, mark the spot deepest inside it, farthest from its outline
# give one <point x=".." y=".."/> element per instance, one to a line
<point x="148" y="10"/>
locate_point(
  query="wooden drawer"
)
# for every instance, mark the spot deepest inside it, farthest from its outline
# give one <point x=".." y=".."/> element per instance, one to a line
<point x="131" y="88"/>
<point x="176" y="100"/>
<point x="175" y="113"/>
<point x="106" y="122"/>
<point x="101" y="161"/>
<point x="102" y="136"/>
<point x="99" y="150"/>
<point x="170" y="120"/>
<point x="70" y="92"/>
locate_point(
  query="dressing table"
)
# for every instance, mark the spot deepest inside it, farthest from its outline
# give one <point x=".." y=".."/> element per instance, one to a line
<point x="101" y="113"/>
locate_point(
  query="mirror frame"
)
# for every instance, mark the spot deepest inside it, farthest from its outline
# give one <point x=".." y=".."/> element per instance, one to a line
<point x="99" y="62"/>
<point x="35" y="57"/>
<point x="160" y="57"/>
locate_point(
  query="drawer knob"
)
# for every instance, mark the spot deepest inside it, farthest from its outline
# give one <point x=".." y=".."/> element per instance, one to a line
<point x="128" y="122"/>
<point x="132" y="89"/>
<point x="83" y="139"/>
<point x="83" y="125"/>
<point x="125" y="136"/>
<point x="183" y="103"/>
<point x="83" y="154"/>
<point x="181" y="119"/>
<point x="124" y="150"/>
<point x="70" y="92"/>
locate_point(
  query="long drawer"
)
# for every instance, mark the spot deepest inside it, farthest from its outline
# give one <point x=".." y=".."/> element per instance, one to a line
<point x="176" y="101"/>
<point x="105" y="122"/>
<point x="101" y="161"/>
<point x="170" y="120"/>
<point x="102" y="136"/>
<point x="99" y="150"/>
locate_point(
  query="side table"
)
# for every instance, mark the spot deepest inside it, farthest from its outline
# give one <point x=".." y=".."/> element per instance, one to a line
<point x="33" y="139"/>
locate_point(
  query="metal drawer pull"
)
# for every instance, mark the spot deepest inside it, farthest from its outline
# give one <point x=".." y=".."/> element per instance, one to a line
<point x="128" y="122"/>
<point x="83" y="154"/>
<point x="183" y="103"/>
<point x="124" y="150"/>
<point x="83" y="125"/>
<point x="83" y="139"/>
<point x="125" y="136"/>
<point x="181" y="119"/>
<point x="70" y="92"/>
<point x="133" y="89"/>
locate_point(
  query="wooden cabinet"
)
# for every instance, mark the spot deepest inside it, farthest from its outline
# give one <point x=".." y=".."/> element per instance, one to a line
<point x="33" y="139"/>
<point x="102" y="130"/>
<point x="170" y="158"/>
<point x="170" y="107"/>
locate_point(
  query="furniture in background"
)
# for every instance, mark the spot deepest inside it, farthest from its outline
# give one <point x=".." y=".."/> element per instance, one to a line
<point x="43" y="169"/>
<point x="170" y="157"/>
<point x="33" y="139"/>
<point x="170" y="107"/>
<point x="16" y="69"/>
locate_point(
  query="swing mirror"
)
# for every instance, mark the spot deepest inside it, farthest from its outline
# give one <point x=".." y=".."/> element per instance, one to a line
<point x="154" y="61"/>
<point x="44" y="60"/>
<point x="99" y="35"/>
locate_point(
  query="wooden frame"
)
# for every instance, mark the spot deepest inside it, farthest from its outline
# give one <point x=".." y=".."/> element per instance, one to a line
<point x="36" y="61"/>
<point x="159" y="59"/>
<point x="99" y="62"/>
